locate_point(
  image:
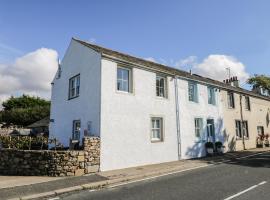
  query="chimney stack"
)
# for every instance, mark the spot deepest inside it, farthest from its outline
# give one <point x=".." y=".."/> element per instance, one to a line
<point x="233" y="81"/>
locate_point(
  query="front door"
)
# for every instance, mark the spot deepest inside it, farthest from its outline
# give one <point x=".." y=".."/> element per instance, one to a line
<point x="211" y="130"/>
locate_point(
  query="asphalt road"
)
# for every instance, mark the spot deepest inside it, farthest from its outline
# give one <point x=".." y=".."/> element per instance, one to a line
<point x="244" y="179"/>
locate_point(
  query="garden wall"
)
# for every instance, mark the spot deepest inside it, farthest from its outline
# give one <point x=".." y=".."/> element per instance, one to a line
<point x="52" y="163"/>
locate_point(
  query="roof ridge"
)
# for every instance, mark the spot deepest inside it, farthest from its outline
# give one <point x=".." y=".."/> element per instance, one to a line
<point x="178" y="72"/>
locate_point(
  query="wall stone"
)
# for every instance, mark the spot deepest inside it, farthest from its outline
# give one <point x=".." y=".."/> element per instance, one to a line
<point x="91" y="154"/>
<point x="51" y="163"/>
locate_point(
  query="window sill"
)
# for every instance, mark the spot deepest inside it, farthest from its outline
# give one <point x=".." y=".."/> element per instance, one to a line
<point x="239" y="139"/>
<point x="124" y="92"/>
<point x="156" y="140"/>
<point x="193" y="102"/>
<point x="162" y="98"/>
<point x="73" y="97"/>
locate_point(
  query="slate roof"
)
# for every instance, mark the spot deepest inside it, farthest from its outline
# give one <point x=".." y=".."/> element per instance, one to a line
<point x="41" y="123"/>
<point x="166" y="69"/>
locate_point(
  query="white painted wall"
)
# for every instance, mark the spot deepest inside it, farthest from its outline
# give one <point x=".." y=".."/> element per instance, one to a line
<point x="125" y="121"/>
<point x="191" y="146"/>
<point x="122" y="120"/>
<point x="86" y="62"/>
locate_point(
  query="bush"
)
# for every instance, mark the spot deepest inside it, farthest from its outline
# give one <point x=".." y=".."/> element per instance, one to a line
<point x="209" y="145"/>
<point x="24" y="142"/>
<point x="218" y="144"/>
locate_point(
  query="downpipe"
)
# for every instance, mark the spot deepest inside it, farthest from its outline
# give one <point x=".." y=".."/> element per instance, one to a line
<point x="177" y="117"/>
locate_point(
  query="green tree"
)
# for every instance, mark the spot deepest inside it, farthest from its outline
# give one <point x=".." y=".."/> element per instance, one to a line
<point x="24" y="110"/>
<point x="260" y="81"/>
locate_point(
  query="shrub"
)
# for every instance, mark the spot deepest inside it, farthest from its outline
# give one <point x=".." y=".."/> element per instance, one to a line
<point x="209" y="145"/>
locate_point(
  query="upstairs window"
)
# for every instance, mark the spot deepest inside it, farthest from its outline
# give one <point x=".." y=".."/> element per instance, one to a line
<point x="74" y="87"/>
<point x="192" y="92"/>
<point x="156" y="129"/>
<point x="211" y="95"/>
<point x="161" y="86"/>
<point x="230" y="97"/>
<point x="124" y="79"/>
<point x="247" y="103"/>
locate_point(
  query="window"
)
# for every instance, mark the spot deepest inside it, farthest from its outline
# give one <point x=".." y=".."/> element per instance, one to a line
<point x="198" y="127"/>
<point x="247" y="103"/>
<point x="161" y="86"/>
<point x="211" y="95"/>
<point x="260" y="130"/>
<point x="238" y="129"/>
<point x="76" y="130"/>
<point x="74" y="87"/>
<point x="124" y="79"/>
<point x="267" y="119"/>
<point x="241" y="130"/>
<point x="231" y="100"/>
<point x="192" y="92"/>
<point x="156" y="129"/>
<point x="245" y="129"/>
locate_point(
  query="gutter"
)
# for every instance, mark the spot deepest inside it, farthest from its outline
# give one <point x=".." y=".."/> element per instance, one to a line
<point x="177" y="118"/>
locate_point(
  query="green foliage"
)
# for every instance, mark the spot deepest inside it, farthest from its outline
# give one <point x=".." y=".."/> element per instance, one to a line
<point x="209" y="145"/>
<point x="24" y="101"/>
<point x="260" y="81"/>
<point x="24" y="110"/>
<point x="24" y="142"/>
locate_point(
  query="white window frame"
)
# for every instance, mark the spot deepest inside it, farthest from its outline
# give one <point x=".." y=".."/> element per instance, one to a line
<point x="129" y="81"/>
<point x="76" y="133"/>
<point x="199" y="136"/>
<point x="211" y="95"/>
<point x="160" y="129"/>
<point x="193" y="97"/>
<point x="241" y="129"/>
<point x="74" y="87"/>
<point x="159" y="87"/>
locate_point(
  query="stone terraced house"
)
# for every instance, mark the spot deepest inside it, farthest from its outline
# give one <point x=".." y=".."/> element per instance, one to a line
<point x="145" y="112"/>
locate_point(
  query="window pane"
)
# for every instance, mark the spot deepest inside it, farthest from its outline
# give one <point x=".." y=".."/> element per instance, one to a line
<point x="123" y="79"/>
<point x="119" y="73"/>
<point x="160" y="86"/>
<point x="192" y="92"/>
<point x="156" y="131"/>
<point x="125" y="74"/>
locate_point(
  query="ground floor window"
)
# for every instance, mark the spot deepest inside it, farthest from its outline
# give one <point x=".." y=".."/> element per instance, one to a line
<point x="156" y="129"/>
<point x="198" y="128"/>
<point x="241" y="129"/>
<point x="260" y="130"/>
<point x="76" y="130"/>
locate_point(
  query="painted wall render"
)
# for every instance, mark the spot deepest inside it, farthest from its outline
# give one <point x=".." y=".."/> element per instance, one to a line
<point x="123" y="120"/>
<point x="257" y="116"/>
<point x="86" y="62"/>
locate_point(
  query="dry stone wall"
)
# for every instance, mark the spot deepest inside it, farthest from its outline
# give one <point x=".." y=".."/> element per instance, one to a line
<point x="52" y="163"/>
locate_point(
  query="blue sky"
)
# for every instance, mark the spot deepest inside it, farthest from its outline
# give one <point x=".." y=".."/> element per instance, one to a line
<point x="168" y="31"/>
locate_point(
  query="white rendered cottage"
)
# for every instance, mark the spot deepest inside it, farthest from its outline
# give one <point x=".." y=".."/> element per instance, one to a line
<point x="143" y="112"/>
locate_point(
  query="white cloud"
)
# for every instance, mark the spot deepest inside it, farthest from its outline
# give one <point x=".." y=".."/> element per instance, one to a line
<point x="190" y="62"/>
<point x="214" y="66"/>
<point x="31" y="74"/>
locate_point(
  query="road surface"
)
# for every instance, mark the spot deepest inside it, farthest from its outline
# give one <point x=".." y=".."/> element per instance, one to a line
<point x="241" y="179"/>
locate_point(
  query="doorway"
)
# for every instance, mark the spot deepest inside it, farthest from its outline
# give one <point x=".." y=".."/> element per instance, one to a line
<point x="211" y="130"/>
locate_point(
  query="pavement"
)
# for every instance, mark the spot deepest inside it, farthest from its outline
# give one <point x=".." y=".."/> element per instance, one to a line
<point x="173" y="172"/>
